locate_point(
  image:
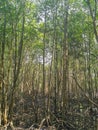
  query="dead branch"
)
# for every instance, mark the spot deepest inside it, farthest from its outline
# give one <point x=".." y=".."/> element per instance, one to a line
<point x="79" y="86"/>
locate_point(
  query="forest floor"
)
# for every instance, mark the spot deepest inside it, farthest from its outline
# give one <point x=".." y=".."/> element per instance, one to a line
<point x="29" y="115"/>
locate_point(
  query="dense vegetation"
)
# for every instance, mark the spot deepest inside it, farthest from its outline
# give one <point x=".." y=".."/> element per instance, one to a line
<point x="49" y="63"/>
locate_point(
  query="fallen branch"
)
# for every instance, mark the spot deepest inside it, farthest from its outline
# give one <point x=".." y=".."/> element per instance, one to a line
<point x="89" y="99"/>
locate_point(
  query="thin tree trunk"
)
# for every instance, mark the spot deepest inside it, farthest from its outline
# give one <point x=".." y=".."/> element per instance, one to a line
<point x="3" y="99"/>
<point x="44" y="49"/>
<point x="55" y="58"/>
<point x="65" y="59"/>
<point x="93" y="15"/>
<point x="16" y="71"/>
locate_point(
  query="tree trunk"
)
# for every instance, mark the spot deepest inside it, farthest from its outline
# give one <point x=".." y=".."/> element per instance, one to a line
<point x="93" y="16"/>
<point x="16" y="70"/>
<point x="65" y="59"/>
<point x="3" y="99"/>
